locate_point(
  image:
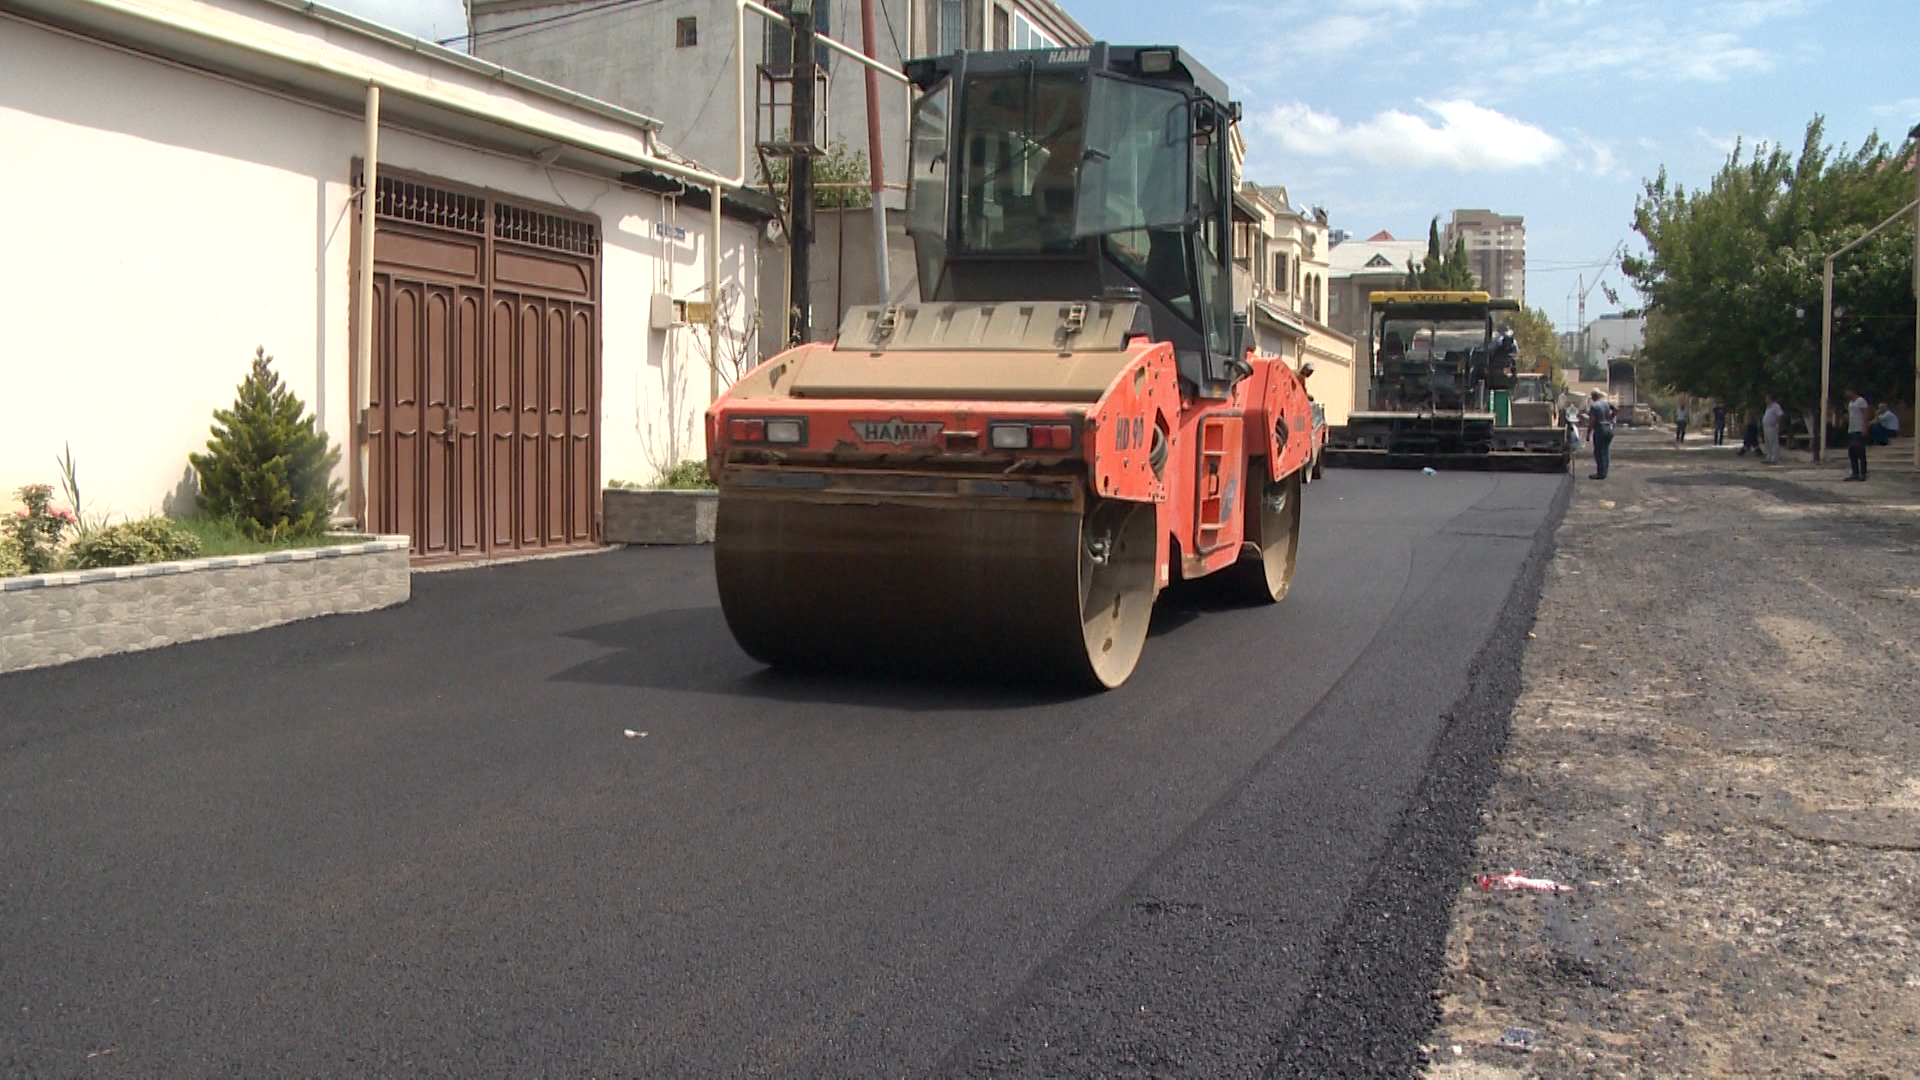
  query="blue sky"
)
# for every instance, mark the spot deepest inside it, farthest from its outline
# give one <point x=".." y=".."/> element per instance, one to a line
<point x="1387" y="112"/>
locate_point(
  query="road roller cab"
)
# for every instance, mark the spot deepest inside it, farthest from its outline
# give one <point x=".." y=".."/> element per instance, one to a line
<point x="1000" y="478"/>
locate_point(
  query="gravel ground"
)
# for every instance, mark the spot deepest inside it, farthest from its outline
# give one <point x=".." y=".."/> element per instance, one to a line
<point x="1715" y="744"/>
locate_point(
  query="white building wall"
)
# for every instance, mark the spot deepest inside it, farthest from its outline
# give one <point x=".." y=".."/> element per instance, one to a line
<point x="628" y="56"/>
<point x="166" y="222"/>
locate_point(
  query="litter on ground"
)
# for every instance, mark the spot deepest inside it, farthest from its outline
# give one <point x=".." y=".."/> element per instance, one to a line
<point x="1511" y="881"/>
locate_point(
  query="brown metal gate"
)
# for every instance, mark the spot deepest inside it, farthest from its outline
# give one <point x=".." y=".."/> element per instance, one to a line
<point x="482" y="417"/>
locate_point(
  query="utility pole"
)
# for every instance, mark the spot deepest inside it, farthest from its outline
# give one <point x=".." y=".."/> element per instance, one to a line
<point x="1826" y="312"/>
<point x="800" y="175"/>
<point x="1914" y="137"/>
<point x="1586" y="350"/>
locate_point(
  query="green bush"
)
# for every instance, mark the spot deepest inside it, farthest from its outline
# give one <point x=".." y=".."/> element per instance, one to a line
<point x="267" y="468"/>
<point x="11" y="564"/>
<point x="686" y="476"/>
<point x="35" y="529"/>
<point x="131" y="543"/>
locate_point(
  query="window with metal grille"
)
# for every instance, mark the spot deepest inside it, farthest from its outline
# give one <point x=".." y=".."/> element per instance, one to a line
<point x="686" y="32"/>
<point x="404" y="200"/>
<point x="953" y="26"/>
<point x="544" y="230"/>
<point x="778" y="44"/>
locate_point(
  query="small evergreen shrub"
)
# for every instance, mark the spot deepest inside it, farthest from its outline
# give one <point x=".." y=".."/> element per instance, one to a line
<point x="686" y="476"/>
<point x="131" y="543"/>
<point x="268" y="468"/>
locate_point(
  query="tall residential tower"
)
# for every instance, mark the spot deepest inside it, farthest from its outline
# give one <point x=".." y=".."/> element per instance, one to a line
<point x="1496" y="249"/>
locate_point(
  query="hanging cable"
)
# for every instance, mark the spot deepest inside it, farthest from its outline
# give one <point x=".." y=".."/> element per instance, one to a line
<point x="545" y="20"/>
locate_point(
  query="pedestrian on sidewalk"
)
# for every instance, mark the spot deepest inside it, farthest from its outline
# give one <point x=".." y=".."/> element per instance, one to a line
<point x="1719" y="423"/>
<point x="1680" y="418"/>
<point x="1770" y="428"/>
<point x="1885" y="427"/>
<point x="1857" y="409"/>
<point x="1600" y="429"/>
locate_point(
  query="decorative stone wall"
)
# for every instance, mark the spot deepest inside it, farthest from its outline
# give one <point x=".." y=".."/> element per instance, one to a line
<point x="56" y="618"/>
<point x="648" y="516"/>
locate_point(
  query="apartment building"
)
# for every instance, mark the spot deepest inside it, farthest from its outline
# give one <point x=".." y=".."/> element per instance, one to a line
<point x="1496" y="249"/>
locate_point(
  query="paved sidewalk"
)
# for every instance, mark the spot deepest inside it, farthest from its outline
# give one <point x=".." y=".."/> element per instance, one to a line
<point x="1716" y="746"/>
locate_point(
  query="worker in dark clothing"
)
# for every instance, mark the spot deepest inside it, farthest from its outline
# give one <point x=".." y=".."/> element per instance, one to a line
<point x="1600" y="427"/>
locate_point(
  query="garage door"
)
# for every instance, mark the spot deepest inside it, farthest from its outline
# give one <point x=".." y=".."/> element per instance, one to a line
<point x="482" y="418"/>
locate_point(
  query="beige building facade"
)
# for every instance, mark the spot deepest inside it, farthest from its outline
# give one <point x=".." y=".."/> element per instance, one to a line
<point x="1356" y="269"/>
<point x="1280" y="270"/>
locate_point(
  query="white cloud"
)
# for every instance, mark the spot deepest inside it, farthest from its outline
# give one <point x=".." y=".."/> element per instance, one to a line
<point x="1284" y="32"/>
<point x="1519" y="48"/>
<point x="1466" y="137"/>
<point x="1598" y="158"/>
<point x="1755" y="12"/>
<point x="1335" y="33"/>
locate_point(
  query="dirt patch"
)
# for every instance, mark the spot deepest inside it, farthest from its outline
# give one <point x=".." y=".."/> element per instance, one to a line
<point x="1715" y="745"/>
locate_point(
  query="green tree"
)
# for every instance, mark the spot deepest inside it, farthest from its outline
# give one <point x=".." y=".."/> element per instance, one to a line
<point x="1441" y="270"/>
<point x="1732" y="274"/>
<point x="1539" y="342"/>
<point x="268" y="469"/>
<point x="840" y="177"/>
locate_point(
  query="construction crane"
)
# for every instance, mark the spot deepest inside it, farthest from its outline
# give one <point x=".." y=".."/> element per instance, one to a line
<point x="1583" y="288"/>
<point x="1000" y="479"/>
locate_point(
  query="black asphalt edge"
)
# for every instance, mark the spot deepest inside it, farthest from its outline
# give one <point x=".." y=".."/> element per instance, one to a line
<point x="1369" y="1006"/>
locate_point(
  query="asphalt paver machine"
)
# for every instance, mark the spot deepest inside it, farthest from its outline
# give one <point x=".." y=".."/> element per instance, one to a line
<point x="1446" y="393"/>
<point x="999" y="479"/>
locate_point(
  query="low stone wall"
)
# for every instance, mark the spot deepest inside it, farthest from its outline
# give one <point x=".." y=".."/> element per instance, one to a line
<point x="56" y="618"/>
<point x="650" y="516"/>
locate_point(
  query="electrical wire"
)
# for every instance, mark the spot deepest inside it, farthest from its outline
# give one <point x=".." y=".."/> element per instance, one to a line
<point x="495" y="31"/>
<point x="724" y="72"/>
<point x="895" y="38"/>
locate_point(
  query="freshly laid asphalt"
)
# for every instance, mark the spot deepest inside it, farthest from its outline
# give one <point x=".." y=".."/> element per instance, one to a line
<point x="422" y="841"/>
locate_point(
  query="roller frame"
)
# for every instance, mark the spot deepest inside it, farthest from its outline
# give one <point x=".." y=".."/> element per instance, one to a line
<point x="953" y="469"/>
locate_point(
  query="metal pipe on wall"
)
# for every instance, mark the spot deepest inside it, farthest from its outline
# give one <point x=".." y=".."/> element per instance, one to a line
<point x="424" y="89"/>
<point x="363" y="311"/>
<point x="713" y="295"/>
<point x="876" y="161"/>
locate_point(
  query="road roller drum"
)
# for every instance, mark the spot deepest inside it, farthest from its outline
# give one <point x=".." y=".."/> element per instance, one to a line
<point x="1035" y="593"/>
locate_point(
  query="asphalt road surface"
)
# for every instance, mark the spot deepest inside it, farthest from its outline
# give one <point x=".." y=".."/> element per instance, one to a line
<point x="421" y="842"/>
